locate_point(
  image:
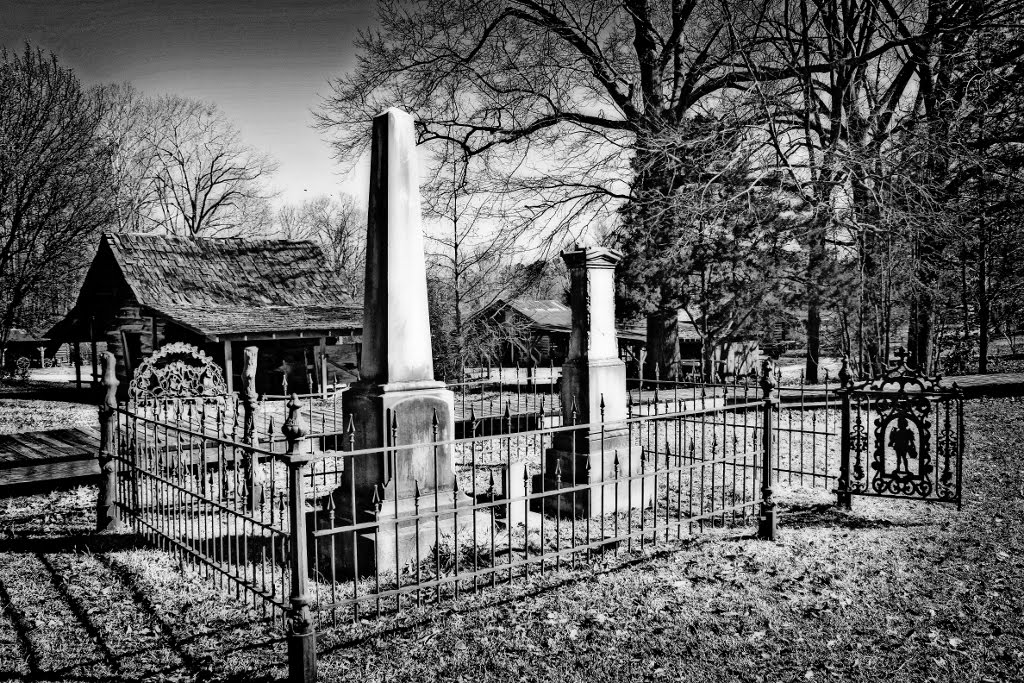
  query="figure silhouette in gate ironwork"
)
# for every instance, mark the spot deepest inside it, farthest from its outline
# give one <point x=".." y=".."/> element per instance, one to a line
<point x="901" y="441"/>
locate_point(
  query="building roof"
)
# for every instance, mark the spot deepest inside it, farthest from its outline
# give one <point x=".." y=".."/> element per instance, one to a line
<point x="544" y="314"/>
<point x="226" y="286"/>
<point x="18" y="335"/>
<point x="554" y="316"/>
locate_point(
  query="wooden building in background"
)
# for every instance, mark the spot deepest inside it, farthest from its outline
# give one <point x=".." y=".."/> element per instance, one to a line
<point x="143" y="291"/>
<point x="547" y="324"/>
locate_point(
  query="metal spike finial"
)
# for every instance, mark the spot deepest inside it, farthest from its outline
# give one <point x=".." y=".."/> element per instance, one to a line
<point x="615" y="464"/>
<point x="433" y="420"/>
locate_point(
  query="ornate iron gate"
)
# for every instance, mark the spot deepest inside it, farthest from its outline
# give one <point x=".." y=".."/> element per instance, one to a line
<point x="902" y="436"/>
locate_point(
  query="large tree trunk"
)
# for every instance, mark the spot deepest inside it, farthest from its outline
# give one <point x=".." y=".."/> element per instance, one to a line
<point x="663" y="345"/>
<point x="815" y="266"/>
<point x="813" y="341"/>
<point x="707" y="353"/>
<point x="922" y="309"/>
<point x="919" y="334"/>
<point x="983" y="302"/>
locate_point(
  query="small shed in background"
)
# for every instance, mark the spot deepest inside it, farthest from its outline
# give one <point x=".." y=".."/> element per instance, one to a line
<point x="549" y="324"/>
<point x="143" y="291"/>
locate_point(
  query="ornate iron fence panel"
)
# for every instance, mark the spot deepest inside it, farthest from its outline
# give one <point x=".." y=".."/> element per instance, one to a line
<point x="902" y="437"/>
<point x="177" y="370"/>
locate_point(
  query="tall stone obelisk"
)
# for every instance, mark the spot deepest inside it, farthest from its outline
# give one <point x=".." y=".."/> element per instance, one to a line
<point x="396" y="401"/>
<point x="593" y="393"/>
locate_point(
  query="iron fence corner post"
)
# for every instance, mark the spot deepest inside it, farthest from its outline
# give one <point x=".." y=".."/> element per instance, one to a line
<point x="107" y="517"/>
<point x="843" y="496"/>
<point x="766" y="526"/>
<point x="301" y="634"/>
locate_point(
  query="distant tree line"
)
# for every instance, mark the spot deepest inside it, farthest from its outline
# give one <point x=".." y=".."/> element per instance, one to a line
<point x="854" y="166"/>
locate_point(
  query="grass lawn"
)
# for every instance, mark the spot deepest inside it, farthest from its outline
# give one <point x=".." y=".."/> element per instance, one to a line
<point x="891" y="591"/>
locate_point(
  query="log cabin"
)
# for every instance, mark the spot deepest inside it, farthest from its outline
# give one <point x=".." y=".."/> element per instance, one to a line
<point x="142" y="291"/>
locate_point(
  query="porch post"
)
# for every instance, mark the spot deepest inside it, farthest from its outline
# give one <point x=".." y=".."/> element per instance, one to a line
<point x="253" y="474"/>
<point x="229" y="369"/>
<point x="77" y="360"/>
<point x="95" y="352"/>
<point x="323" y="367"/>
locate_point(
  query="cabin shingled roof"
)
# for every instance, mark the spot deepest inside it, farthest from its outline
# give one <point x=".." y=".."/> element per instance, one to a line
<point x="165" y="271"/>
<point x="220" y="286"/>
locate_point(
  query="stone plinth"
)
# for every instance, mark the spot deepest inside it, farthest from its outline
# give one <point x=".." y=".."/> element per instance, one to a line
<point x="593" y="391"/>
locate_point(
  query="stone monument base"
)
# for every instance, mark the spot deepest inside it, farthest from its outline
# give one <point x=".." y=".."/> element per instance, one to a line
<point x="400" y="537"/>
<point x="597" y="492"/>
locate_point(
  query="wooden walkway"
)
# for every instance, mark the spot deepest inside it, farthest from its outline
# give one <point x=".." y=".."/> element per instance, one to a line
<point x="55" y="458"/>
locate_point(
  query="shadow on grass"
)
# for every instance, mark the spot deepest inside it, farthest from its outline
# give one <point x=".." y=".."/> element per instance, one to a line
<point x="507" y="594"/>
<point x="195" y="661"/>
<point x="94" y="543"/>
<point x="828" y="515"/>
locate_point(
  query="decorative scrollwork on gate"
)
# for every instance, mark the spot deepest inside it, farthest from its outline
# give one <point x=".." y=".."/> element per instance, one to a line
<point x="902" y="377"/>
<point x="904" y="457"/>
<point x="177" y="370"/>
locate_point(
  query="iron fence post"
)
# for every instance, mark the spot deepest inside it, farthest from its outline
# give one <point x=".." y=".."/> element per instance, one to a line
<point x="766" y="527"/>
<point x="301" y="634"/>
<point x="843" y="496"/>
<point x="107" y="518"/>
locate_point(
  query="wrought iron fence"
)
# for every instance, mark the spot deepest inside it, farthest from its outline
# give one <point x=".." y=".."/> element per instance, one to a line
<point x="270" y="510"/>
<point x="519" y="502"/>
<point x="805" y="426"/>
<point x="188" y="481"/>
<point x="280" y="517"/>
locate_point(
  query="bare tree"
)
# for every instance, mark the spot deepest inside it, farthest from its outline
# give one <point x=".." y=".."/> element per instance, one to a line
<point x="338" y="226"/>
<point x="205" y="176"/>
<point x="181" y="167"/>
<point x="128" y="127"/>
<point x="54" y="177"/>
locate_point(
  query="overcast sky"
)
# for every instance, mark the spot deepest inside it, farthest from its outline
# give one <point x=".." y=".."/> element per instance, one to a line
<point x="264" y="62"/>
